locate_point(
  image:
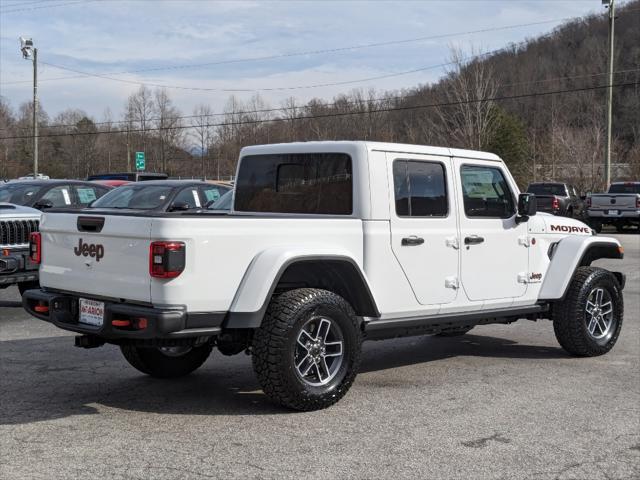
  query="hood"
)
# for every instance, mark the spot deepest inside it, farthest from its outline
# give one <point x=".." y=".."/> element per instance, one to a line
<point x="10" y="211"/>
<point x="552" y="224"/>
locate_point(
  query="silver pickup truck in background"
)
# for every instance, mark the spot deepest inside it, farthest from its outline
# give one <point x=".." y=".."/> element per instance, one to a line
<point x="620" y="206"/>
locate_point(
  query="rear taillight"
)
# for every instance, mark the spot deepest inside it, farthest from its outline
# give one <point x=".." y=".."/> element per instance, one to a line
<point x="637" y="202"/>
<point x="556" y="204"/>
<point x="35" y="247"/>
<point x="166" y="259"/>
<point x="588" y="201"/>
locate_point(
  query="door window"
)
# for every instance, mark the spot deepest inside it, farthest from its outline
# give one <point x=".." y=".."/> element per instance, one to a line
<point x="88" y="193"/>
<point x="188" y="196"/>
<point x="59" y="196"/>
<point x="420" y="189"/>
<point x="486" y="193"/>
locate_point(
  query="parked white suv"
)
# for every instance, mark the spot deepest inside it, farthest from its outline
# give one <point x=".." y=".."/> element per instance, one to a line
<point x="328" y="244"/>
<point x="16" y="225"/>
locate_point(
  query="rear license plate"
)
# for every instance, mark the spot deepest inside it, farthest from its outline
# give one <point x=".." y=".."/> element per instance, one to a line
<point x="91" y="312"/>
<point x="613" y="212"/>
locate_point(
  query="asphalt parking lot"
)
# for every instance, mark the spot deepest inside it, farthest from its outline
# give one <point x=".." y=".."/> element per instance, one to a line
<point x="502" y="402"/>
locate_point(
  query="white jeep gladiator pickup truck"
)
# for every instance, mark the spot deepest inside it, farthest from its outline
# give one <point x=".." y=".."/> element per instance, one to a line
<point x="328" y="244"/>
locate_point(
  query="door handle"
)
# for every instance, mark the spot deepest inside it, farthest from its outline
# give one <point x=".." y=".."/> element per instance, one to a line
<point x="473" y="240"/>
<point x="411" y="241"/>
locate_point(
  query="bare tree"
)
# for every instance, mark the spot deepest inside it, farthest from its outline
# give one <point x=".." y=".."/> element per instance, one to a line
<point x="203" y="132"/>
<point x="167" y="122"/>
<point x="467" y="122"/>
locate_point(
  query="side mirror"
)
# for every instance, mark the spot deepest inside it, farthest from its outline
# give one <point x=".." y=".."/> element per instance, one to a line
<point x="43" y="204"/>
<point x="179" y="207"/>
<point x="527" y="206"/>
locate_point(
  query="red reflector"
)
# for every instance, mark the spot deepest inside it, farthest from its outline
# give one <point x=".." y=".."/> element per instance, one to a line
<point x="142" y="323"/>
<point x="35" y="247"/>
<point x="41" y="308"/>
<point x="121" y="323"/>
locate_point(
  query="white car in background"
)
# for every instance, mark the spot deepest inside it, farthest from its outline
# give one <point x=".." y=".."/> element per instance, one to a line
<point x="16" y="225"/>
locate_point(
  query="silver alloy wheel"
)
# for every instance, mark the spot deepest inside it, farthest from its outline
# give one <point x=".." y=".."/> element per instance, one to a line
<point x="319" y="351"/>
<point x="175" y="351"/>
<point x="599" y="313"/>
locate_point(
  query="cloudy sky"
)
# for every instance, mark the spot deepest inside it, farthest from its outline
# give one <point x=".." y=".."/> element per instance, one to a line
<point x="209" y="48"/>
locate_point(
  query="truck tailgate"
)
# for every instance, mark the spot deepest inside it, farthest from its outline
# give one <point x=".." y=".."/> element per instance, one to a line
<point x="96" y="255"/>
<point x="617" y="201"/>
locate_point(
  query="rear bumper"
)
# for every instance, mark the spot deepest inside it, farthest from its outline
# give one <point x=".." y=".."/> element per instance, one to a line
<point x="15" y="267"/>
<point x="633" y="215"/>
<point x="171" y="322"/>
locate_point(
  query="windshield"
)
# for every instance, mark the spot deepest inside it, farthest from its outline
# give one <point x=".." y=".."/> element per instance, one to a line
<point x="547" y="189"/>
<point x="625" y="188"/>
<point x="20" y="194"/>
<point x="137" y="197"/>
<point x="223" y="203"/>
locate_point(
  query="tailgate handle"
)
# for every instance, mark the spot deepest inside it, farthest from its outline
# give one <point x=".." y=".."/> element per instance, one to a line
<point x="90" y="224"/>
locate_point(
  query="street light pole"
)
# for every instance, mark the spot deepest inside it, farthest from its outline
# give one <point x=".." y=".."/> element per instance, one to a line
<point x="35" y="113"/>
<point x="607" y="152"/>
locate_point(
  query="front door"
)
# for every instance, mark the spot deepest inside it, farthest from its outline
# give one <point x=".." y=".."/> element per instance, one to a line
<point x="494" y="255"/>
<point x="424" y="231"/>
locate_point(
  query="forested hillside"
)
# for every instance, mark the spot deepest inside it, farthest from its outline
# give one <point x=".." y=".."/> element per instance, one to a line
<point x="538" y="104"/>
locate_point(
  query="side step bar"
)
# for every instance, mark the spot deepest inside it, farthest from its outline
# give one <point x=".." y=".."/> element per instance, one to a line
<point x="406" y="327"/>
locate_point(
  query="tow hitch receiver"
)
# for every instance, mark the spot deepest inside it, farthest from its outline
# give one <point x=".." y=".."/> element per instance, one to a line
<point x="88" y="341"/>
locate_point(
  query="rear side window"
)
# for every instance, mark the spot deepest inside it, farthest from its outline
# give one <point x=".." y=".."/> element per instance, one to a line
<point x="420" y="189"/>
<point x="306" y="183"/>
<point x="486" y="193"/>
<point x="625" y="188"/>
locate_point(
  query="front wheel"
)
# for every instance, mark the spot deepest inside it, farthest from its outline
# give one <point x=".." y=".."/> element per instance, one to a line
<point x="166" y="362"/>
<point x="306" y="353"/>
<point x="587" y="322"/>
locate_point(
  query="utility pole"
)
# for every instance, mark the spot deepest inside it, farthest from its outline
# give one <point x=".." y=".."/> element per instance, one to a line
<point x="607" y="152"/>
<point x="35" y="113"/>
<point x="30" y="52"/>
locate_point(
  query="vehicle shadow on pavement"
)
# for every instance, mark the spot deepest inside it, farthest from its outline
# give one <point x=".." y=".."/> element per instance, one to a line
<point x="9" y="304"/>
<point x="425" y="349"/>
<point x="46" y="378"/>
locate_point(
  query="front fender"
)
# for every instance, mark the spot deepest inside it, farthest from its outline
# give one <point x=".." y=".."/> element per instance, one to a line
<point x="571" y="252"/>
<point x="262" y="275"/>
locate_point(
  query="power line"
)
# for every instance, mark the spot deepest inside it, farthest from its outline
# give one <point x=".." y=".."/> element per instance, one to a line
<point x="330" y="104"/>
<point x="298" y="54"/>
<point x="338" y="114"/>
<point x="28" y="9"/>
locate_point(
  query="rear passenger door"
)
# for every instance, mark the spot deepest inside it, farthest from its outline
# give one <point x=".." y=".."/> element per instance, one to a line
<point x="424" y="232"/>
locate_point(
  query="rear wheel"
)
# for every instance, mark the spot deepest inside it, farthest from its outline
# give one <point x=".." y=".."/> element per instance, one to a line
<point x="596" y="225"/>
<point x="587" y="322"/>
<point x="306" y="353"/>
<point x="166" y="362"/>
<point x="23" y="287"/>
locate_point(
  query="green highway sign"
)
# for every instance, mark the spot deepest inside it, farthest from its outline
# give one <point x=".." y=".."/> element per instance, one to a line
<point x="140" y="164"/>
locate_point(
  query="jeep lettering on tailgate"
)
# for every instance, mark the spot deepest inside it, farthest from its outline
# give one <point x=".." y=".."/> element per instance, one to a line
<point x="89" y="250"/>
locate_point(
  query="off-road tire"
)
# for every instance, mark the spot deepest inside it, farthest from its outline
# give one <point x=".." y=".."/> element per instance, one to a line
<point x="152" y="361"/>
<point x="569" y="316"/>
<point x="455" y="333"/>
<point x="274" y="345"/>
<point x="24" y="286"/>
